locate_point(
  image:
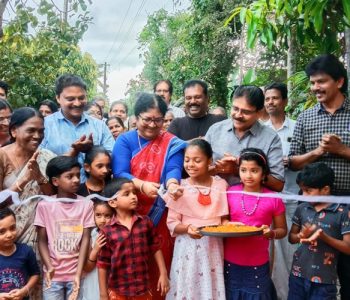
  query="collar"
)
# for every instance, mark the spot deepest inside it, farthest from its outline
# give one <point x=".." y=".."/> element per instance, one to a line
<point x="135" y="217"/>
<point x="286" y="123"/>
<point x="333" y="207"/>
<point x="84" y="117"/>
<point x="345" y="106"/>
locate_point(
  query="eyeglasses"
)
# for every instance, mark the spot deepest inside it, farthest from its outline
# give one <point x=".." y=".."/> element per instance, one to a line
<point x="5" y="120"/>
<point x="148" y="121"/>
<point x="162" y="91"/>
<point x="245" y="112"/>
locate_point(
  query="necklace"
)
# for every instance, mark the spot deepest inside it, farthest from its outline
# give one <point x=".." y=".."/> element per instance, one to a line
<point x="204" y="196"/>
<point x="249" y="213"/>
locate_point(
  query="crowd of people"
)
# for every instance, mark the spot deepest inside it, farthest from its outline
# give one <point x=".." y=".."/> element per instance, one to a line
<point x="111" y="205"/>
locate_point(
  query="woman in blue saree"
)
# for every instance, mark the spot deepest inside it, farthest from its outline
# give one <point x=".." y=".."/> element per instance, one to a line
<point x="151" y="157"/>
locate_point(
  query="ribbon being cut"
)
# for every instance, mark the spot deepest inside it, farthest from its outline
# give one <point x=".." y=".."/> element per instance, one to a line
<point x="8" y="197"/>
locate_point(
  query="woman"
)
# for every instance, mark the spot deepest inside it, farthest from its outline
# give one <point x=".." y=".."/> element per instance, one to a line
<point x="94" y="110"/>
<point x="22" y="167"/>
<point x="149" y="157"/>
<point x="5" y="117"/>
<point x="47" y="107"/>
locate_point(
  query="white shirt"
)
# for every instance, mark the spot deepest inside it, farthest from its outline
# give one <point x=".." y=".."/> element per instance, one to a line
<point x="178" y="112"/>
<point x="286" y="133"/>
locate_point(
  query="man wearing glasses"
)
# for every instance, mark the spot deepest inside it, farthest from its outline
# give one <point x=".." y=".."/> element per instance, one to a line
<point x="229" y="137"/>
<point x="164" y="88"/>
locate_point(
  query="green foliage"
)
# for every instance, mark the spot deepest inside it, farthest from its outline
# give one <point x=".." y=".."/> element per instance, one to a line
<point x="315" y="22"/>
<point x="32" y="62"/>
<point x="190" y="45"/>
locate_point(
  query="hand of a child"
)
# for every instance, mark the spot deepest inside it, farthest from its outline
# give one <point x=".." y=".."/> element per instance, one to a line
<point x="5" y="296"/>
<point x="307" y="230"/>
<point x="193" y="232"/>
<point x="100" y="242"/>
<point x="163" y="284"/>
<point x="76" y="286"/>
<point x="267" y="232"/>
<point x="312" y="240"/>
<point x="17" y="294"/>
<point x="48" y="277"/>
<point x="175" y="191"/>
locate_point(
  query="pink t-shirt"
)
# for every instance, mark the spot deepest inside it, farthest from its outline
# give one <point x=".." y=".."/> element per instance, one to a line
<point x="250" y="251"/>
<point x="64" y="223"/>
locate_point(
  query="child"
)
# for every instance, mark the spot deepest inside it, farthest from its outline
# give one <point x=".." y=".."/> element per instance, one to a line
<point x="247" y="258"/>
<point x="19" y="270"/>
<point x="130" y="240"/>
<point x="64" y="231"/>
<point x="116" y="126"/>
<point x="97" y="166"/>
<point x="103" y="214"/>
<point x="197" y="266"/>
<point x="323" y="230"/>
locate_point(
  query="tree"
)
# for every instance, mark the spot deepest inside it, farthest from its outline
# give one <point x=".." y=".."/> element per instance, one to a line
<point x="190" y="45"/>
<point x="309" y="27"/>
<point x="32" y="62"/>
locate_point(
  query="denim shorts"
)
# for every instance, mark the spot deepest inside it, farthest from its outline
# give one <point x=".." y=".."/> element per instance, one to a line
<point x="304" y="289"/>
<point x="59" y="291"/>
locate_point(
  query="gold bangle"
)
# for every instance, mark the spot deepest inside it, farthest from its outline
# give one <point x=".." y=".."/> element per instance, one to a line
<point x="141" y="187"/>
<point x="18" y="187"/>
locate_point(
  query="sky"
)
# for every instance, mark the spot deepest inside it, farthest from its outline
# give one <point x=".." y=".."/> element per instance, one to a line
<point x="112" y="37"/>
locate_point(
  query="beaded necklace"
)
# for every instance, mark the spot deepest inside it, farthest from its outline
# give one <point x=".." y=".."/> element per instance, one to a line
<point x="249" y="213"/>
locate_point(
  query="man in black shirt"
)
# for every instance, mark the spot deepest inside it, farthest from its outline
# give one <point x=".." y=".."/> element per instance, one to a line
<point x="198" y="120"/>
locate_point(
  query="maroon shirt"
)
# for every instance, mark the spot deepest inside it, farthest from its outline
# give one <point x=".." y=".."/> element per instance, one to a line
<point x="126" y="255"/>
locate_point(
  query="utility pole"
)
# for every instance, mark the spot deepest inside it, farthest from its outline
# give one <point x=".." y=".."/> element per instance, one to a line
<point x="105" y="86"/>
<point x="65" y="11"/>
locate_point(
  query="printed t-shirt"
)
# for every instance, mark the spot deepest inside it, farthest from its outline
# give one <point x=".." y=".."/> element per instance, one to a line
<point x="64" y="223"/>
<point x="16" y="269"/>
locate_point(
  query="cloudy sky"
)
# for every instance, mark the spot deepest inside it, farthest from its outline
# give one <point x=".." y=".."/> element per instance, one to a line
<point x="113" y="37"/>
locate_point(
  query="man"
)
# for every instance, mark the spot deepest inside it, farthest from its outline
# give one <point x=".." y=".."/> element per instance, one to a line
<point x="164" y="88"/>
<point x="229" y="137"/>
<point x="322" y="133"/>
<point x="71" y="131"/>
<point x="4" y="88"/>
<point x="219" y="110"/>
<point x="276" y="100"/>
<point x="198" y="120"/>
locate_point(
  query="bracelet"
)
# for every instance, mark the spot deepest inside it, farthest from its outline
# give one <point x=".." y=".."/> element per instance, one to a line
<point x="141" y="187"/>
<point x="170" y="181"/>
<point x="27" y="290"/>
<point x="18" y="187"/>
<point x="92" y="260"/>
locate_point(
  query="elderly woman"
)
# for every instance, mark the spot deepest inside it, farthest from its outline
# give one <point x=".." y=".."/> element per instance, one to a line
<point x="149" y="157"/>
<point x="22" y="167"/>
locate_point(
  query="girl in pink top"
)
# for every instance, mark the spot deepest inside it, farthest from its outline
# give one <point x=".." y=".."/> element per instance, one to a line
<point x="197" y="265"/>
<point x="247" y="258"/>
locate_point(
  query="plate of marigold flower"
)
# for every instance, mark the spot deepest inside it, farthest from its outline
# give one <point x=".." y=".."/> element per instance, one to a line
<point x="230" y="230"/>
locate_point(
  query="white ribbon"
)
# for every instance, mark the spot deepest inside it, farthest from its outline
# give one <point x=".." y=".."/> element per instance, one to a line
<point x="5" y="194"/>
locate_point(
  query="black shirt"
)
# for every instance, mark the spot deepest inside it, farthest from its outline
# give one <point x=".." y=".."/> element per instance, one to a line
<point x="188" y="128"/>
